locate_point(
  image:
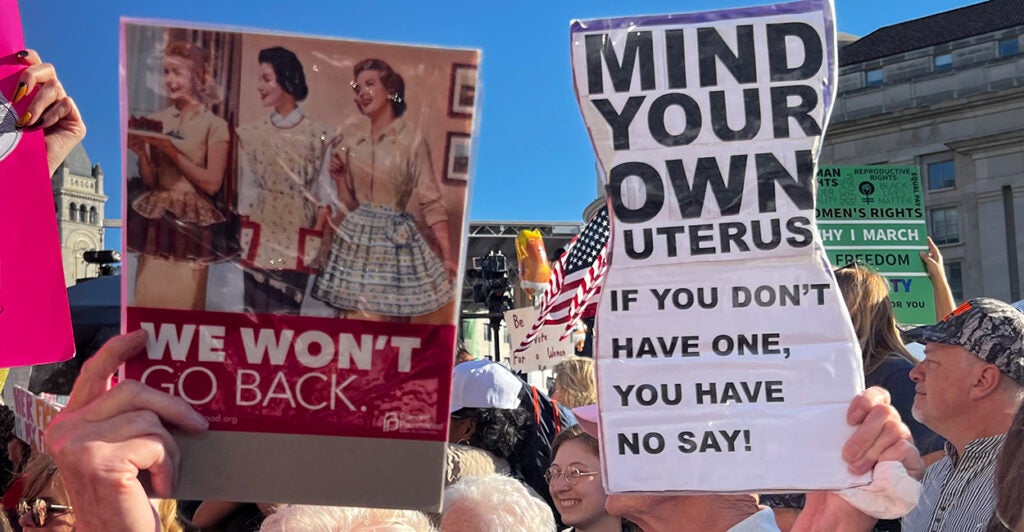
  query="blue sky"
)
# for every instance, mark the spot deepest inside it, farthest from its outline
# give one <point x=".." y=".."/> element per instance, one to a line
<point x="534" y="160"/>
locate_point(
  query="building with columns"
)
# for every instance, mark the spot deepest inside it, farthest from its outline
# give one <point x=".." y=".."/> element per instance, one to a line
<point x="78" y="199"/>
<point x="946" y="93"/>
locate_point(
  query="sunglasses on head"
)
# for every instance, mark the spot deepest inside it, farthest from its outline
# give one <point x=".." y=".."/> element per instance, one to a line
<point x="40" y="509"/>
<point x="855" y="265"/>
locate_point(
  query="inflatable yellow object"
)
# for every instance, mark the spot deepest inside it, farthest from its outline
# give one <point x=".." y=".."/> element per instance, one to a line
<point x="534" y="270"/>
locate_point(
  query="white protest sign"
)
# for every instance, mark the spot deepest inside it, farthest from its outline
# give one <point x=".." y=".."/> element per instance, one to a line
<point x="725" y="357"/>
<point x="545" y="351"/>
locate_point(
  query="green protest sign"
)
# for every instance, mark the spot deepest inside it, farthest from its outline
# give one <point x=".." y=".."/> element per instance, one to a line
<point x="874" y="216"/>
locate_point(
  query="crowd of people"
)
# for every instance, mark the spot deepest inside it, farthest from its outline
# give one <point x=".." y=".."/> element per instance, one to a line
<point x="521" y="459"/>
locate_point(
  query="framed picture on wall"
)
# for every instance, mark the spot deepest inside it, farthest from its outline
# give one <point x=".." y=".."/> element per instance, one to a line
<point x="457" y="153"/>
<point x="462" y="91"/>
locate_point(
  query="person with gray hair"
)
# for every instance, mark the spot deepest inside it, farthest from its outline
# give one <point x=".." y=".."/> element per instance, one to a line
<point x="493" y="503"/>
<point x="969" y="385"/>
<point x="304" y="518"/>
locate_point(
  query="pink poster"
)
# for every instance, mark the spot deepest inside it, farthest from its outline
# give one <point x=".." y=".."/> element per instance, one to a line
<point x="35" y="324"/>
<point x="294" y="221"/>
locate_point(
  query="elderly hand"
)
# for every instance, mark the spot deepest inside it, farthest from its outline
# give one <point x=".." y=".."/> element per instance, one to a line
<point x="880" y="436"/>
<point x="51" y="109"/>
<point x="106" y="437"/>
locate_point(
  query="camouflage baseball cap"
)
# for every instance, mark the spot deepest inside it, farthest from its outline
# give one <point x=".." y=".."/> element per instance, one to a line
<point x="988" y="328"/>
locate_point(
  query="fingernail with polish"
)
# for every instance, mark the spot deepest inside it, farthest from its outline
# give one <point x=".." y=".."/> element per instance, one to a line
<point x="23" y="56"/>
<point x="25" y="120"/>
<point x="20" y="92"/>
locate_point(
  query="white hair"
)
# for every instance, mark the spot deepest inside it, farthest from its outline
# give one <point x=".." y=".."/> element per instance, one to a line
<point x="493" y="503"/>
<point x="304" y="518"/>
<point x="1014" y="391"/>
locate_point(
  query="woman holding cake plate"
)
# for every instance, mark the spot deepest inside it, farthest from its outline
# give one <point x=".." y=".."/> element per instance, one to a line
<point x="183" y="157"/>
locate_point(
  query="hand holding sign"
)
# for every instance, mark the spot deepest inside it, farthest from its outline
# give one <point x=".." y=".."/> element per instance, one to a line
<point x="51" y="109"/>
<point x="722" y="343"/>
<point x="106" y="437"/>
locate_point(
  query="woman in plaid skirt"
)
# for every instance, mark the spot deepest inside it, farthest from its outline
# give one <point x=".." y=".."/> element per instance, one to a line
<point x="380" y="267"/>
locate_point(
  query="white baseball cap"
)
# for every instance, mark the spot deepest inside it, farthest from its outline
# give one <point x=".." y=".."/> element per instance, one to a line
<point x="484" y="384"/>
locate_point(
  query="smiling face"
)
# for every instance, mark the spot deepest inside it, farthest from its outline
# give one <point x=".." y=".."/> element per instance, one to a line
<point x="583" y="504"/>
<point x="371" y="94"/>
<point x="271" y="94"/>
<point x="178" y="79"/>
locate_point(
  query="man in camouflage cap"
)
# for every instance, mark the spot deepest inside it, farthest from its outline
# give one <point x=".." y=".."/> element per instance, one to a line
<point x="969" y="386"/>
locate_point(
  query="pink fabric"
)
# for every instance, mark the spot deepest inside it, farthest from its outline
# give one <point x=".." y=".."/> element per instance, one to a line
<point x="35" y="323"/>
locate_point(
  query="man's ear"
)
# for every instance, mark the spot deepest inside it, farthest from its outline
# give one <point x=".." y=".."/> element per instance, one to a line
<point x="986" y="381"/>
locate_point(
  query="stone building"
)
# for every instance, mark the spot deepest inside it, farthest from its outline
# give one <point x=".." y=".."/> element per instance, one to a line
<point x="78" y="199"/>
<point x="946" y="93"/>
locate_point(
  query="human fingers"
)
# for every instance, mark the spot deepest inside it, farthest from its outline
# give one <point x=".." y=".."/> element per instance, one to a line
<point x="145" y="443"/>
<point x="904" y="452"/>
<point x="37" y="74"/>
<point x="934" y="252"/>
<point x="46" y="100"/>
<point x="57" y="111"/>
<point x="28" y="56"/>
<point x="337" y="158"/>
<point x="880" y="429"/>
<point x="863" y="402"/>
<point x="94" y="378"/>
<point x="130" y="396"/>
<point x="116" y="449"/>
<point x="135" y="144"/>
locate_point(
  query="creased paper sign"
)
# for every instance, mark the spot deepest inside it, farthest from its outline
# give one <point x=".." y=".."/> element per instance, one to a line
<point x="724" y="352"/>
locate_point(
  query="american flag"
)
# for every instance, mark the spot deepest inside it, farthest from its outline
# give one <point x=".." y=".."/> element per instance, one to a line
<point x="575" y="280"/>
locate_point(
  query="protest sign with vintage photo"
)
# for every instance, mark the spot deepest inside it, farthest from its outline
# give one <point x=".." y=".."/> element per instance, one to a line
<point x="267" y="175"/>
<point x="33" y="296"/>
<point x="548" y="347"/>
<point x="873" y="217"/>
<point x="725" y="355"/>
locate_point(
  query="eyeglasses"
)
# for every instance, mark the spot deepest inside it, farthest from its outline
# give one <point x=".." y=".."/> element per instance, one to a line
<point x="571" y="475"/>
<point x="40" y="510"/>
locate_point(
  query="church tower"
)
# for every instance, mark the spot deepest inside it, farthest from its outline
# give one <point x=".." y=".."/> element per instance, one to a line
<point x="79" y="199"/>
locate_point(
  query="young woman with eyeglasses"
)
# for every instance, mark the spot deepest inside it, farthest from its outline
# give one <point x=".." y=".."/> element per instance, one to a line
<point x="574" y="481"/>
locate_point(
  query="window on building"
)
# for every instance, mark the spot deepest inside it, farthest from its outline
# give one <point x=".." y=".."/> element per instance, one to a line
<point x="874" y="78"/>
<point x="941" y="175"/>
<point x="487" y="333"/>
<point x="943" y="62"/>
<point x="83" y="214"/>
<point x="92" y="215"/>
<point x="944" y="227"/>
<point x="1008" y="47"/>
<point x="73" y="212"/>
<point x="956" y="280"/>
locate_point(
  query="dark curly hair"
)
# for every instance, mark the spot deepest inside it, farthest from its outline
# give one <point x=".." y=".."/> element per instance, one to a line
<point x="287" y="69"/>
<point x="497" y="431"/>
